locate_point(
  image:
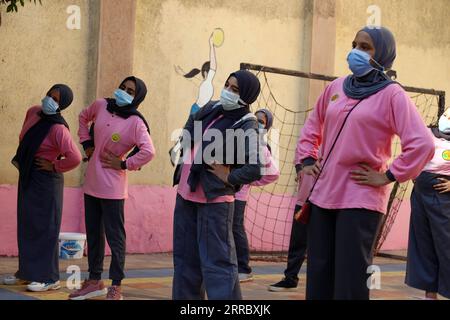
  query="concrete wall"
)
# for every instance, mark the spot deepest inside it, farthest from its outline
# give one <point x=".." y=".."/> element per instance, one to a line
<point x="36" y="51"/>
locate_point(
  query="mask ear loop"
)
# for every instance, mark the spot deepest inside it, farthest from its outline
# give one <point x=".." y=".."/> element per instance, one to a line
<point x="380" y="69"/>
<point x="242" y="103"/>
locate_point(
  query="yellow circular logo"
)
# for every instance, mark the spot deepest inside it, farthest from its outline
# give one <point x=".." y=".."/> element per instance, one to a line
<point x="335" y="97"/>
<point x="446" y="155"/>
<point x="115" y="137"/>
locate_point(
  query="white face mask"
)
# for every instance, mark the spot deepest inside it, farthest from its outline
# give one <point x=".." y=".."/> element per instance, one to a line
<point x="444" y="124"/>
<point x="49" y="106"/>
<point x="230" y="100"/>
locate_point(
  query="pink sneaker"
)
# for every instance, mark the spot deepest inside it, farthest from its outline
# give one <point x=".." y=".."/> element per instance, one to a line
<point x="89" y="289"/>
<point x="114" y="293"/>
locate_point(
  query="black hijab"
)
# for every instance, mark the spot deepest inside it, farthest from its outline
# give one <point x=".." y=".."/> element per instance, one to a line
<point x="439" y="134"/>
<point x="127" y="111"/>
<point x="33" y="138"/>
<point x="249" y="89"/>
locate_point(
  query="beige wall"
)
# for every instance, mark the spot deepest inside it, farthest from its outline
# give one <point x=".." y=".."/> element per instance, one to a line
<point x="422" y="32"/>
<point x="36" y="51"/>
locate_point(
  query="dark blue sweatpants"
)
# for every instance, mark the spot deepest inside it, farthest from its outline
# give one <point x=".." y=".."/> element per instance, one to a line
<point x="240" y="237"/>
<point x="204" y="253"/>
<point x="428" y="265"/>
<point x="297" y="248"/>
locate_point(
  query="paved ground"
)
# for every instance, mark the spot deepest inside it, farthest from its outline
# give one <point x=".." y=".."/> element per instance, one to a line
<point x="150" y="277"/>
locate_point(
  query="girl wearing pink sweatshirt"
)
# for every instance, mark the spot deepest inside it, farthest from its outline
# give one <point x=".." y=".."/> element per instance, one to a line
<point x="45" y="152"/>
<point x="119" y="127"/>
<point x="350" y="158"/>
<point x="270" y="175"/>
<point x="428" y="264"/>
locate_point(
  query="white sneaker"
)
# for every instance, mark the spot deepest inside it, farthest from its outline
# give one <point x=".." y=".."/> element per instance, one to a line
<point x="245" y="277"/>
<point x="41" y="287"/>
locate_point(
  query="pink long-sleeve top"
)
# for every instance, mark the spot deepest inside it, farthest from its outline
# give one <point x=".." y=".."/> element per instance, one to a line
<point x="366" y="138"/>
<point x="270" y="174"/>
<point x="440" y="164"/>
<point x="118" y="136"/>
<point x="57" y="143"/>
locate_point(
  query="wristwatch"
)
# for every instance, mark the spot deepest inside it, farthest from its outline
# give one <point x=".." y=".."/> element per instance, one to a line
<point x="123" y="165"/>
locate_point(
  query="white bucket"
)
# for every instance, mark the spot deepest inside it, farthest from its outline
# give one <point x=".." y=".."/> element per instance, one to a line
<point x="71" y="245"/>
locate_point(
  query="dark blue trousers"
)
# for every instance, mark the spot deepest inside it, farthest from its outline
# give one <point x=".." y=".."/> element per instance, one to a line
<point x="297" y="247"/>
<point x="340" y="250"/>
<point x="39" y="212"/>
<point x="204" y="253"/>
<point x="428" y="265"/>
<point x="240" y="237"/>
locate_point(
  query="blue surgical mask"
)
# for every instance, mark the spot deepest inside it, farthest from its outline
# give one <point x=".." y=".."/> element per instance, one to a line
<point x="229" y="100"/>
<point x="444" y="124"/>
<point x="261" y="125"/>
<point x="49" y="106"/>
<point x="123" y="98"/>
<point x="359" y="63"/>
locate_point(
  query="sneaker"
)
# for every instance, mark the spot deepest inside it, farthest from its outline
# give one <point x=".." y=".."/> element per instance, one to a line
<point x="245" y="277"/>
<point x="114" y="293"/>
<point x="13" y="281"/>
<point x="41" y="286"/>
<point x="89" y="289"/>
<point x="287" y="284"/>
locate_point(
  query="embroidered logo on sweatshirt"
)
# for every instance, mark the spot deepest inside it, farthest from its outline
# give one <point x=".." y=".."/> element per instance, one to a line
<point x="115" y="137"/>
<point x="334" y="98"/>
<point x="446" y="155"/>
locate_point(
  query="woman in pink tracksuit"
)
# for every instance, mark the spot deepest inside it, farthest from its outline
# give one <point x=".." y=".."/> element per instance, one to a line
<point x="350" y="158"/>
<point x="119" y="127"/>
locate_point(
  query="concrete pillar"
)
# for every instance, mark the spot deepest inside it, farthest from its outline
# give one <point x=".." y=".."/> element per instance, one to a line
<point x="116" y="44"/>
<point x="323" y="45"/>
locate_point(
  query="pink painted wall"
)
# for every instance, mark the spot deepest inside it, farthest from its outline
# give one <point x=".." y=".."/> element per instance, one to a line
<point x="149" y="219"/>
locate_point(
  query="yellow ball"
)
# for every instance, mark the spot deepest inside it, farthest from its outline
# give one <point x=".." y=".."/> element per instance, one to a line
<point x="218" y="37"/>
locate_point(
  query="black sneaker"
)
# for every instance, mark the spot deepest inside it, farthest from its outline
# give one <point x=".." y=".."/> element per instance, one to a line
<point x="287" y="284"/>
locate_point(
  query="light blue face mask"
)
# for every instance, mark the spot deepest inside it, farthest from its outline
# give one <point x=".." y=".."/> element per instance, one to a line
<point x="444" y="124"/>
<point x="359" y="63"/>
<point x="123" y="98"/>
<point x="229" y="100"/>
<point x="49" y="106"/>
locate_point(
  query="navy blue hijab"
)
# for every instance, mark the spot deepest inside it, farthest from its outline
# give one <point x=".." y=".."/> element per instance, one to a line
<point x="376" y="80"/>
